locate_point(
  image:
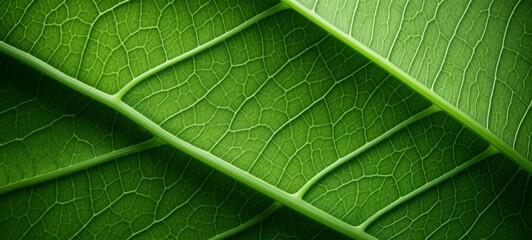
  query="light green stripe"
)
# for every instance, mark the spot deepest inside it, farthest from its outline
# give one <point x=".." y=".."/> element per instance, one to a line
<point x="154" y="142"/>
<point x="231" y="232"/>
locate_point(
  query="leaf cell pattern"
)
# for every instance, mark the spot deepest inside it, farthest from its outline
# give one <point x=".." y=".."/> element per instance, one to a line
<point x="266" y="96"/>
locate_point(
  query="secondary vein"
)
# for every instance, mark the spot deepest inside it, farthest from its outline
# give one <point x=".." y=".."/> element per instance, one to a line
<point x="365" y="147"/>
<point x="206" y="157"/>
<point x="491" y="150"/>
<point x="198" y="49"/>
<point x="259" y="217"/>
<point x="151" y="143"/>
<point x="452" y="110"/>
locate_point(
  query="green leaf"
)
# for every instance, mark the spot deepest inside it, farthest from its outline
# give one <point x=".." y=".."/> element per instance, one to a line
<point x="49" y="130"/>
<point x="151" y="194"/>
<point x="288" y="225"/>
<point x="472" y="59"/>
<point x="161" y="184"/>
<point x="272" y="100"/>
<point x="141" y="194"/>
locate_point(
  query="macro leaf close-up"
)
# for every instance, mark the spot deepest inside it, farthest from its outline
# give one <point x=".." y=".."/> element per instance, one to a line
<point x="324" y="119"/>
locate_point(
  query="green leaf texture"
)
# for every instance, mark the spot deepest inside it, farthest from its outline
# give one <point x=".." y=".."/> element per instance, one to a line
<point x="48" y="129"/>
<point x="152" y="192"/>
<point x="476" y="56"/>
<point x="267" y="97"/>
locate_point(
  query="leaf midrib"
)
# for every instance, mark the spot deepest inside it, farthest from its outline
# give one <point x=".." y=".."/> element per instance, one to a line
<point x="417" y="86"/>
<point x="290" y="200"/>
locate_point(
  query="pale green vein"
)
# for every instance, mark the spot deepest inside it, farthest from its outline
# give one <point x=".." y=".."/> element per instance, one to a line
<point x="491" y="150"/>
<point x="111" y="8"/>
<point x="16" y="106"/>
<point x="490" y="204"/>
<point x="206" y="157"/>
<point x="483" y="211"/>
<point x="42" y="128"/>
<point x="151" y="143"/>
<point x="521" y="123"/>
<point x="92" y="26"/>
<point x="199" y="49"/>
<point x="498" y="64"/>
<point x="34" y="131"/>
<point x="432" y="109"/>
<point x="417" y="86"/>
<point x="109" y="207"/>
<point x="56" y="74"/>
<point x="267" y="212"/>
<point x="245" y="177"/>
<point x="182" y="204"/>
<point x="20" y="19"/>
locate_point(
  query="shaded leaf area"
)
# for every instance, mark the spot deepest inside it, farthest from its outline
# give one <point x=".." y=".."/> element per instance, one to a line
<point x="491" y="200"/>
<point x="466" y="190"/>
<point x="321" y="103"/>
<point x="399" y="165"/>
<point x="107" y="44"/>
<point x="282" y="100"/>
<point x="288" y="224"/>
<point x="477" y="55"/>
<point x="327" y="130"/>
<point x="47" y="127"/>
<point x="157" y="193"/>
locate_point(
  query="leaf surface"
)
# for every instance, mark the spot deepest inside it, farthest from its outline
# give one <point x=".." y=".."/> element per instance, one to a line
<point x="284" y="107"/>
<point x="473" y="59"/>
<point x="133" y="190"/>
<point x="49" y="129"/>
<point x="152" y="194"/>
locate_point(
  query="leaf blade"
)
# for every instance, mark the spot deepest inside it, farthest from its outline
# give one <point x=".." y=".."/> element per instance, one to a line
<point x="313" y="107"/>
<point x="466" y="114"/>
